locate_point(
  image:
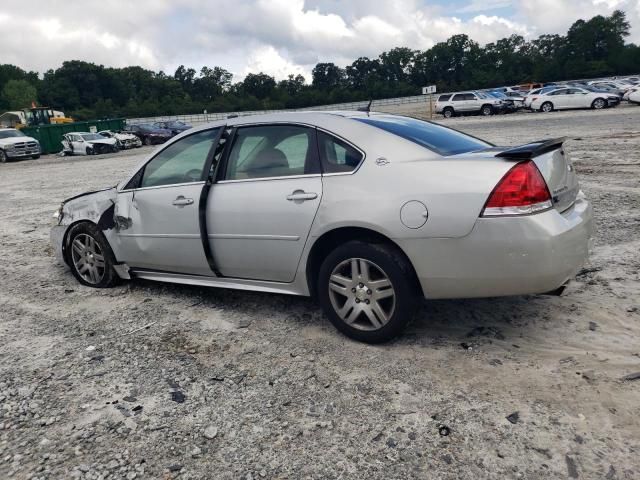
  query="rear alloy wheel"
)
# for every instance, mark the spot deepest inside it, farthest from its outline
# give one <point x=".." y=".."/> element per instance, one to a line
<point x="546" y="107"/>
<point x="3" y="156"/>
<point x="367" y="291"/>
<point x="90" y="256"/>
<point x="598" y="104"/>
<point x="486" y="110"/>
<point x="447" y="112"/>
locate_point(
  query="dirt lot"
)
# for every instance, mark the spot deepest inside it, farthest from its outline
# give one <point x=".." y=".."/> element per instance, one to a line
<point x="226" y="384"/>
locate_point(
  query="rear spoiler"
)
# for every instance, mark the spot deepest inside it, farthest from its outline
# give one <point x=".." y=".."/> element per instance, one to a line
<point x="533" y="149"/>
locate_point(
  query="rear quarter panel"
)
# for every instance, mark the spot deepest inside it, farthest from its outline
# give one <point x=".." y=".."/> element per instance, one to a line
<point x="454" y="190"/>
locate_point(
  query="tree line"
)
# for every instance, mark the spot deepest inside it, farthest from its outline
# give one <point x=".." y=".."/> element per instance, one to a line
<point x="590" y="48"/>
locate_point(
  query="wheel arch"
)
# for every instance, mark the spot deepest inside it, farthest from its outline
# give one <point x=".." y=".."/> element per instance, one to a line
<point x="335" y="237"/>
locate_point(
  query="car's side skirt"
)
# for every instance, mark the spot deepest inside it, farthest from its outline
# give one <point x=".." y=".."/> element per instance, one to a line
<point x="233" y="283"/>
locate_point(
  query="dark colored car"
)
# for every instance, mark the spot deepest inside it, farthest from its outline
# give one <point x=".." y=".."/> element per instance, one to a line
<point x="175" y="126"/>
<point x="149" y="134"/>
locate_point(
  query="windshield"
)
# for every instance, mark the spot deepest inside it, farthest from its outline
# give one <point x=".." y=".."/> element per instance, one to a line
<point x="92" y="136"/>
<point x="11" y="133"/>
<point x="437" y="138"/>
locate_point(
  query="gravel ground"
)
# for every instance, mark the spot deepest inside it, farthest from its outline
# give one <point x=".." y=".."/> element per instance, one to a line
<point x="158" y="381"/>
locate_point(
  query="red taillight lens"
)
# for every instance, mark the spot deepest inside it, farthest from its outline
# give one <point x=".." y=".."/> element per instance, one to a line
<point x="520" y="192"/>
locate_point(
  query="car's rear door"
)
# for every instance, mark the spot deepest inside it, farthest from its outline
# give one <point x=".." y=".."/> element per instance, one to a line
<point x="158" y="211"/>
<point x="260" y="210"/>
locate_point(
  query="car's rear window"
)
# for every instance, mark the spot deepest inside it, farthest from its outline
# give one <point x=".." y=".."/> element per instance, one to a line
<point x="437" y="138"/>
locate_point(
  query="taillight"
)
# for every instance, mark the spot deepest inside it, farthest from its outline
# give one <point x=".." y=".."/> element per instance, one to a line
<point x="521" y="191"/>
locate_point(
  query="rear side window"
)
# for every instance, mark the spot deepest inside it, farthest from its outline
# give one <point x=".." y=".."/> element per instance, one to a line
<point x="444" y="98"/>
<point x="437" y="138"/>
<point x="458" y="97"/>
<point x="337" y="156"/>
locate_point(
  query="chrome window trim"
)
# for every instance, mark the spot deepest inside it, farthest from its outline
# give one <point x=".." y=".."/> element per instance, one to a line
<point x="244" y="180"/>
<point x="199" y="182"/>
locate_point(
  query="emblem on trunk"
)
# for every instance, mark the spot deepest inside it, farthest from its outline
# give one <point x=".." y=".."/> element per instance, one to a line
<point x="381" y="162"/>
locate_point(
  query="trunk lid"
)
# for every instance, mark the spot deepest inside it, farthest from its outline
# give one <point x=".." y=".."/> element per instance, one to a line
<point x="555" y="166"/>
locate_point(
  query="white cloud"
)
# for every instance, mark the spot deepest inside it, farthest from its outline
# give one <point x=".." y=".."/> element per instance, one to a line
<point x="476" y="6"/>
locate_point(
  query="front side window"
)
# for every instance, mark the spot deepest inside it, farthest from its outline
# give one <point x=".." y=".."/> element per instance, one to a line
<point x="458" y="97"/>
<point x="181" y="162"/>
<point x="271" y="151"/>
<point x="442" y="140"/>
<point x="337" y="156"/>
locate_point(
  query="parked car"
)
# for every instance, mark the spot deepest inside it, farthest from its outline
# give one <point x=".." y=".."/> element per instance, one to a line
<point x="148" y="134"/>
<point x="534" y="93"/>
<point x="85" y="143"/>
<point x="175" y="126"/>
<point x="124" y="140"/>
<point x="516" y="98"/>
<point x="628" y="93"/>
<point x="507" y="104"/>
<point x="463" y="103"/>
<point x="14" y="144"/>
<point x="634" y="97"/>
<point x="573" y="97"/>
<point x="610" y="87"/>
<point x="366" y="212"/>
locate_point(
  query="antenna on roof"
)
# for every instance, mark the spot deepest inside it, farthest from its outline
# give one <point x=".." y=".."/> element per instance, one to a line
<point x="367" y="108"/>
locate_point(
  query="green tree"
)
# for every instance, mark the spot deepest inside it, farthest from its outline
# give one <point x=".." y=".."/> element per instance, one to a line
<point x="18" y="94"/>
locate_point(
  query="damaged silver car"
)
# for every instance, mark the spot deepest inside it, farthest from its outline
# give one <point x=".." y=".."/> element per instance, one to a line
<point x="367" y="213"/>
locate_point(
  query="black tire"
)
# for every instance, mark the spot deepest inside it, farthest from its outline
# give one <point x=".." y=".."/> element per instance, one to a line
<point x="599" y="103"/>
<point x="3" y="156"/>
<point x="545" y="107"/>
<point x="486" y="110"/>
<point x="394" y="266"/>
<point x="35" y="157"/>
<point x="79" y="232"/>
<point x="147" y="141"/>
<point x="90" y="151"/>
<point x="448" y="112"/>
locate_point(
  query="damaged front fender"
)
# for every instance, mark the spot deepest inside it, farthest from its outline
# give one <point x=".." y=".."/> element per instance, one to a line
<point x="98" y="207"/>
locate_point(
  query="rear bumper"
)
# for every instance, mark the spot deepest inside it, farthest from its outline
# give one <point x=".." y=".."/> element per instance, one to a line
<point x="505" y="256"/>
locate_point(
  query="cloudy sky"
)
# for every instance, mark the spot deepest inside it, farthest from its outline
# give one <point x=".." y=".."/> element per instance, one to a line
<point x="277" y="37"/>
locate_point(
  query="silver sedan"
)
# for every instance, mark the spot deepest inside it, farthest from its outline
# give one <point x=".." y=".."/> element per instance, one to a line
<point x="367" y="213"/>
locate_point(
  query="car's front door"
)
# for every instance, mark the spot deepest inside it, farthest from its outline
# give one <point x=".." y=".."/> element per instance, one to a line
<point x="260" y="211"/>
<point x="561" y="98"/>
<point x="158" y="211"/>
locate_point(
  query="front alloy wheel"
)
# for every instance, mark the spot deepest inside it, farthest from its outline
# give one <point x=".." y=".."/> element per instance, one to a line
<point x="368" y="290"/>
<point x="599" y="103"/>
<point x="90" y="256"/>
<point x="3" y="156"/>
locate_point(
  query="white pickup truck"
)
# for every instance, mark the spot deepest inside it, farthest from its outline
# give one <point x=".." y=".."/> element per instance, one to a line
<point x="15" y="144"/>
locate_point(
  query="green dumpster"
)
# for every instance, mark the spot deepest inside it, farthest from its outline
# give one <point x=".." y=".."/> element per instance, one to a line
<point x="50" y="136"/>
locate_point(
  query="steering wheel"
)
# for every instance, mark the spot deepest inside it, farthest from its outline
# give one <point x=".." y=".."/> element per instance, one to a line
<point x="193" y="175"/>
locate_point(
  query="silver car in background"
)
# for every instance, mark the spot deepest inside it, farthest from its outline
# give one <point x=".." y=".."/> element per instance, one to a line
<point x="365" y="212"/>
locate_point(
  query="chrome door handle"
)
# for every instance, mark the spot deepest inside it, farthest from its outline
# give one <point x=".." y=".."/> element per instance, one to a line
<point x="181" y="201"/>
<point x="300" y="195"/>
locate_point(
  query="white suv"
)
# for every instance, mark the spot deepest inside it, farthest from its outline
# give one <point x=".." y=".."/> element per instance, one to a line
<point x="15" y="144"/>
<point x="466" y="103"/>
